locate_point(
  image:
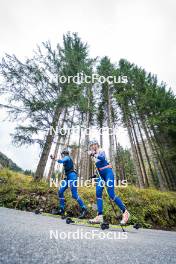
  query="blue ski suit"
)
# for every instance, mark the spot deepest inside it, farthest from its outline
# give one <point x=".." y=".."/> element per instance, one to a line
<point x="69" y="181"/>
<point x="106" y="175"/>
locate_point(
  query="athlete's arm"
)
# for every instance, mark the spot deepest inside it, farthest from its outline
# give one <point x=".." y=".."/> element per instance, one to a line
<point x="101" y="155"/>
<point x="64" y="160"/>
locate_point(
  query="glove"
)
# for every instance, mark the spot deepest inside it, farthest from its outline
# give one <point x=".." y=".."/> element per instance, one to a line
<point x="52" y="157"/>
<point x="93" y="176"/>
<point x="91" y="154"/>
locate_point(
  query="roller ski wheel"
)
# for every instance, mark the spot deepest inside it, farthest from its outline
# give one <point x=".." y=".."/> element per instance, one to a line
<point x="38" y="211"/>
<point x="59" y="212"/>
<point x="137" y="226"/>
<point x="104" y="226"/>
<point x="69" y="220"/>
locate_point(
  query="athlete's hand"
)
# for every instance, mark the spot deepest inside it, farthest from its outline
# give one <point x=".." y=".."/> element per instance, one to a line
<point x="91" y="153"/>
<point x="52" y="156"/>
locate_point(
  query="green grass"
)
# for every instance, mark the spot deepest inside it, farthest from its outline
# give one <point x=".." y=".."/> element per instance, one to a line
<point x="150" y="207"/>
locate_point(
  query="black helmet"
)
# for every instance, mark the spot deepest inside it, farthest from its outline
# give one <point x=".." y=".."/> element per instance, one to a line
<point x="65" y="152"/>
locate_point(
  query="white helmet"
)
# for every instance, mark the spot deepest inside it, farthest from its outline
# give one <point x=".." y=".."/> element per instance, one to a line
<point x="92" y="142"/>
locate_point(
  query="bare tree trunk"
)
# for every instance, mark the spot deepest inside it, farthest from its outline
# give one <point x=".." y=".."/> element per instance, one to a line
<point x="87" y="160"/>
<point x="83" y="161"/>
<point x="155" y="155"/>
<point x="150" y="178"/>
<point x="153" y="151"/>
<point x="71" y="125"/>
<point x="135" y="155"/>
<point x="101" y="138"/>
<point x="136" y="158"/>
<point x="119" y="162"/>
<point x="79" y="146"/>
<point x="52" y="166"/>
<point x="111" y="138"/>
<point x="168" y="173"/>
<point x="74" y="154"/>
<point x="161" y="174"/>
<point x="47" y="147"/>
<point x="160" y="170"/>
<point x="139" y="153"/>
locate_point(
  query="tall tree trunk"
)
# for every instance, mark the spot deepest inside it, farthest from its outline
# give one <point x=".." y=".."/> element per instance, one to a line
<point x="79" y="146"/>
<point x="139" y="153"/>
<point x="47" y="146"/>
<point x="135" y="154"/>
<point x="162" y="175"/>
<point x="71" y="125"/>
<point x="149" y="177"/>
<point x="110" y="126"/>
<point x="83" y="161"/>
<point x="52" y="166"/>
<point x="169" y="173"/>
<point x="87" y="158"/>
<point x="160" y="170"/>
<point x="135" y="157"/>
<point x="101" y="137"/>
<point x="119" y="162"/>
<point x="155" y="156"/>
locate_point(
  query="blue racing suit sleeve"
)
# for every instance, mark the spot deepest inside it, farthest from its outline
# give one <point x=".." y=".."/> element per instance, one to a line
<point x="101" y="155"/>
<point x="64" y="160"/>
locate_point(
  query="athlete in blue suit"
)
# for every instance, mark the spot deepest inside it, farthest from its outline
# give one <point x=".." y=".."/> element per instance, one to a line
<point x="69" y="181"/>
<point x="105" y="175"/>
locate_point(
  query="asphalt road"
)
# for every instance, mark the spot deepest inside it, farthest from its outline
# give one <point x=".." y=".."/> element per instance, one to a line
<point x="29" y="238"/>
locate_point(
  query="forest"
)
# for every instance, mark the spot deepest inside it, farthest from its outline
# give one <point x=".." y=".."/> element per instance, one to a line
<point x="37" y="99"/>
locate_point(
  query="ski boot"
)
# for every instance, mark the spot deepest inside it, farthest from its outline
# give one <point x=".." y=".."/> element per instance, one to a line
<point x="59" y="211"/>
<point x="125" y="218"/>
<point x="97" y="220"/>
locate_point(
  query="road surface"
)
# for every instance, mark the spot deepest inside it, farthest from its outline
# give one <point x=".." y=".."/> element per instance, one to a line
<point x="29" y="238"/>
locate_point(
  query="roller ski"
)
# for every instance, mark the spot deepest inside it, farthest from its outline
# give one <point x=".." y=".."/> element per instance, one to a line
<point x="100" y="224"/>
<point x="123" y="223"/>
<point x="85" y="222"/>
<point x="99" y="220"/>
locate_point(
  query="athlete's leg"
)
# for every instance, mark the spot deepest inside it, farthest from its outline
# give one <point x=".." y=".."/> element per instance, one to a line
<point x="73" y="187"/>
<point x="110" y="189"/>
<point x="99" y="192"/>
<point x="63" y="187"/>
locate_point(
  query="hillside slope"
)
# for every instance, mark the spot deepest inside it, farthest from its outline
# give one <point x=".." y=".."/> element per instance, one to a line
<point x="149" y="207"/>
<point x="6" y="162"/>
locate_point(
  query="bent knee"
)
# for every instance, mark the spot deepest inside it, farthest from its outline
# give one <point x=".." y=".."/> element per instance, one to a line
<point x="99" y="193"/>
<point x="112" y="196"/>
<point x="60" y="193"/>
<point x="75" y="196"/>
